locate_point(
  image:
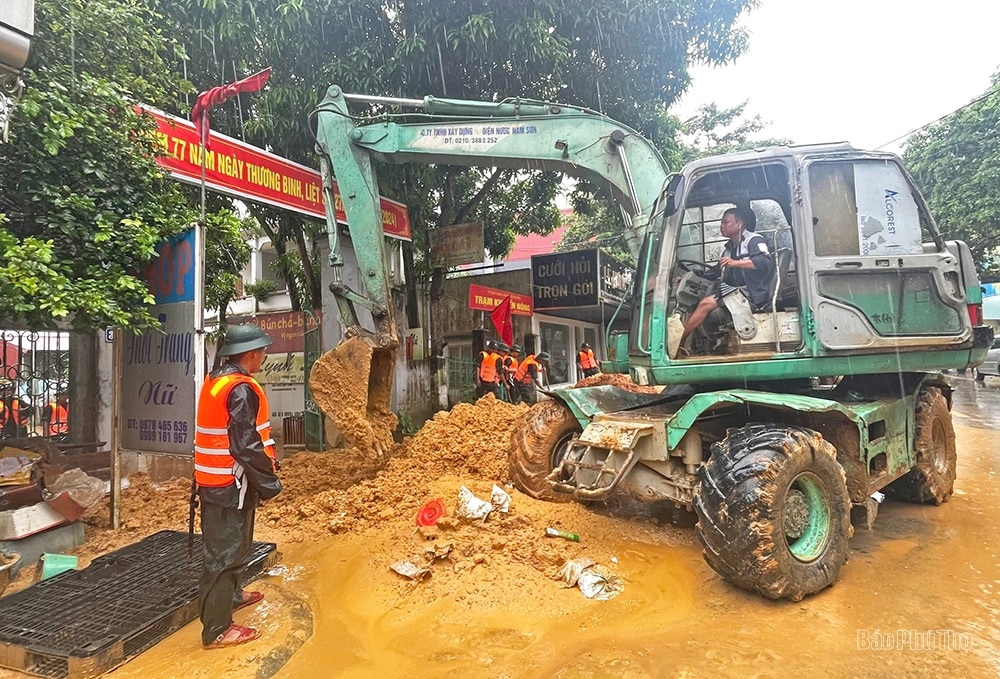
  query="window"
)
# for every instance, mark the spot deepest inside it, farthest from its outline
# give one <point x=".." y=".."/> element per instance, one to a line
<point x="556" y="339"/>
<point x="863" y="208"/>
<point x="268" y="258"/>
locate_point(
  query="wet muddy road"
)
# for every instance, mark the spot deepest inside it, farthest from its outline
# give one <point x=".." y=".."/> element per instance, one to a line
<point x="918" y="598"/>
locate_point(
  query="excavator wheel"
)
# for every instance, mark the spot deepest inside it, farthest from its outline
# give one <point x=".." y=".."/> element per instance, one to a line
<point x="774" y="514"/>
<point x="538" y="445"/>
<point x="932" y="479"/>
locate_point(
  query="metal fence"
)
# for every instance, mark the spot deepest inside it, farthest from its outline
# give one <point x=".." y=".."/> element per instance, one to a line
<point x="36" y="364"/>
<point x="461" y="380"/>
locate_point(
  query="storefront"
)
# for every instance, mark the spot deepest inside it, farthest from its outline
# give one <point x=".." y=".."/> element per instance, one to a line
<point x="577" y="298"/>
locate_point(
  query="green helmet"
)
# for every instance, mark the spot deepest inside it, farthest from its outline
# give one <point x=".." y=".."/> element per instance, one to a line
<point x="243" y="338"/>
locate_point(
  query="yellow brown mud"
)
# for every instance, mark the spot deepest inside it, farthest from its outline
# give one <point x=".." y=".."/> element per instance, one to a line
<point x="491" y="610"/>
<point x="352" y="386"/>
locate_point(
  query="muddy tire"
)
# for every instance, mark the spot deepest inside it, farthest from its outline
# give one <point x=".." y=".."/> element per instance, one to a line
<point x="537" y="446"/>
<point x="774" y="515"/>
<point x="980" y="377"/>
<point x="932" y="479"/>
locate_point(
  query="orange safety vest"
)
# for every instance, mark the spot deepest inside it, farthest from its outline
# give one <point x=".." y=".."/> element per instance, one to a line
<point x="488" y="367"/>
<point x="511" y="364"/>
<point x="13" y="412"/>
<point x="521" y="374"/>
<point x="587" y="359"/>
<point x="213" y="463"/>
<point x="58" y="420"/>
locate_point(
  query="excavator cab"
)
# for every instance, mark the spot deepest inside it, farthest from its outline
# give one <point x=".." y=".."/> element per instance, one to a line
<point x="863" y="282"/>
<point x="740" y="325"/>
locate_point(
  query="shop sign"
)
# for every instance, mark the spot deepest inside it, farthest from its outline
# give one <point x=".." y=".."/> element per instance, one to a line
<point x="483" y="298"/>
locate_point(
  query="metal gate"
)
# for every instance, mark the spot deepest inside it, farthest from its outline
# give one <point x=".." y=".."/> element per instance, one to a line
<point x="34" y="366"/>
<point x="313" y="348"/>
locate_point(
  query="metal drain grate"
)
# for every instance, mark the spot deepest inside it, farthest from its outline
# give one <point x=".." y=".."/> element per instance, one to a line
<point x="81" y="624"/>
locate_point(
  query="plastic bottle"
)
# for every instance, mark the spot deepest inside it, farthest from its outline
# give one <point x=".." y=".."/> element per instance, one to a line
<point x="566" y="535"/>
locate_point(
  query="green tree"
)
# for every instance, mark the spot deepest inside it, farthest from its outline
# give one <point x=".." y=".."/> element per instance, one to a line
<point x="85" y="203"/>
<point x="627" y="59"/>
<point x="714" y="131"/>
<point x="956" y="164"/>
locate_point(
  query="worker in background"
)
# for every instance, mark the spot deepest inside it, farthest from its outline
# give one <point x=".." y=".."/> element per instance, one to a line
<point x="55" y="416"/>
<point x="487" y="377"/>
<point x="235" y="469"/>
<point x="14" y="411"/>
<point x="586" y="362"/>
<point x="503" y="358"/>
<point x="525" y="378"/>
<point x="510" y="367"/>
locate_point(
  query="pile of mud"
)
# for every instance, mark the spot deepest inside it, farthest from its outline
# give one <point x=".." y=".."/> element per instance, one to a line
<point x="617" y="380"/>
<point x="350" y="491"/>
<point x="468" y="441"/>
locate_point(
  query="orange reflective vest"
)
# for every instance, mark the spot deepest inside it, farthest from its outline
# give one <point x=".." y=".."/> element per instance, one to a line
<point x="13" y="412"/>
<point x="587" y="360"/>
<point x="521" y="374"/>
<point x="58" y="419"/>
<point x="488" y="367"/>
<point x="214" y="466"/>
<point x="511" y="365"/>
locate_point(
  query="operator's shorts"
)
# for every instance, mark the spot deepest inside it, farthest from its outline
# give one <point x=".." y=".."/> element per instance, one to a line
<point x="723" y="289"/>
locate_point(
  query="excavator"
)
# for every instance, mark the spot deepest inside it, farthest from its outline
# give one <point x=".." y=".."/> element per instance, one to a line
<point x="781" y="421"/>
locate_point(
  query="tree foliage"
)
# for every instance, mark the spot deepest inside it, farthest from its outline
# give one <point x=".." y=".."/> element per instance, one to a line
<point x="712" y="131"/>
<point x="626" y="58"/>
<point x="956" y="164"/>
<point x="85" y="203"/>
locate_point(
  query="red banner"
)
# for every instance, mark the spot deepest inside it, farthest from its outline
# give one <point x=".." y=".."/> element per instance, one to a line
<point x="487" y="299"/>
<point x="238" y="169"/>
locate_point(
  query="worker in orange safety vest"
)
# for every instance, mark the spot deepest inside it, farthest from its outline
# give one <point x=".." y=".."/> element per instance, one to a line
<point x="586" y="362"/>
<point x="525" y="375"/>
<point x="487" y="374"/>
<point x="235" y="469"/>
<point x="510" y="365"/>
<point x="55" y="415"/>
<point x="14" y="412"/>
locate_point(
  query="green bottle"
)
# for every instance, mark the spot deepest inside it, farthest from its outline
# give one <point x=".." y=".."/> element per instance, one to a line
<point x="566" y="535"/>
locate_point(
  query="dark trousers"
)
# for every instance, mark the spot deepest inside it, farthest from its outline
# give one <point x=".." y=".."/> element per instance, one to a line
<point x="528" y="392"/>
<point x="589" y="372"/>
<point x="484" y="388"/>
<point x="227" y="535"/>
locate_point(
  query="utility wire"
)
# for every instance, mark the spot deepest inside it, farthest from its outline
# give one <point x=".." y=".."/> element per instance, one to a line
<point x="988" y="93"/>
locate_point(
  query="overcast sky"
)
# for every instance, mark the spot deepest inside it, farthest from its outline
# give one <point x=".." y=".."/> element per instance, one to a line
<point x="863" y="71"/>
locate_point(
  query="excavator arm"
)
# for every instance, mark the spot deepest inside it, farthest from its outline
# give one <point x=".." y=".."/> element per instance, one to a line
<point x="513" y="133"/>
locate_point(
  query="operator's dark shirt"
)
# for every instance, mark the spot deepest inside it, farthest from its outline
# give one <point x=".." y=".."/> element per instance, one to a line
<point x="246" y="447"/>
<point x="756" y="281"/>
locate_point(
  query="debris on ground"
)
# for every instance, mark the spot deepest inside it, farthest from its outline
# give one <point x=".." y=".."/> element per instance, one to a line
<point x="410" y="570"/>
<point x="471" y="507"/>
<point x="592" y="580"/>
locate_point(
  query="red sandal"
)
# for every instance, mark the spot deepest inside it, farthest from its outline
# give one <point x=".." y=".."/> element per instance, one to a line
<point x="249" y="599"/>
<point x="227" y="638"/>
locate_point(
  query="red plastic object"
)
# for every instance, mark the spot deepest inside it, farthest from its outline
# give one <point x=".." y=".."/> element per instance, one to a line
<point x="430" y="513"/>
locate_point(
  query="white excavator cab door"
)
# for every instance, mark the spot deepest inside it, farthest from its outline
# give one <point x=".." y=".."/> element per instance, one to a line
<point x="877" y="279"/>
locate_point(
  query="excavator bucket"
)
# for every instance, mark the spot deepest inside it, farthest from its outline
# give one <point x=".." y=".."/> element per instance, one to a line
<point x="352" y="385"/>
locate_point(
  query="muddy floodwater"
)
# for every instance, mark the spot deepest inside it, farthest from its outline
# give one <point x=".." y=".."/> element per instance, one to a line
<point x="918" y="598"/>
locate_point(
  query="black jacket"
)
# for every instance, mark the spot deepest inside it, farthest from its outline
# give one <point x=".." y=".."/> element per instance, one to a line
<point x="246" y="447"/>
